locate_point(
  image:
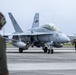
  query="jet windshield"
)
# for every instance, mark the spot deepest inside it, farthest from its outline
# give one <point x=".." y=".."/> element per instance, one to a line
<point x="50" y="27"/>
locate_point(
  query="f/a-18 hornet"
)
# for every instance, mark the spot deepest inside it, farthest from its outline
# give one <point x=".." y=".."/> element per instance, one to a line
<point x="46" y="36"/>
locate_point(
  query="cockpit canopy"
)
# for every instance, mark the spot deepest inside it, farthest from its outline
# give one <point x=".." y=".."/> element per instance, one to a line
<point x="50" y="27"/>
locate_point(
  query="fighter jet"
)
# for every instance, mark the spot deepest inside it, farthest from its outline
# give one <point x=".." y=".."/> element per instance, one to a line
<point x="46" y="36"/>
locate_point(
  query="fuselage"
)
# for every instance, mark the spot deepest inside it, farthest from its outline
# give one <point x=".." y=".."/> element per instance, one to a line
<point x="56" y="36"/>
<point x="46" y="35"/>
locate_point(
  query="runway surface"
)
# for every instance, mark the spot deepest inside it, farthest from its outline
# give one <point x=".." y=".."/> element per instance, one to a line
<point x="35" y="62"/>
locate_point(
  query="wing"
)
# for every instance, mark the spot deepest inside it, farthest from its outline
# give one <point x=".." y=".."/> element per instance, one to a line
<point x="9" y="39"/>
<point x="32" y="33"/>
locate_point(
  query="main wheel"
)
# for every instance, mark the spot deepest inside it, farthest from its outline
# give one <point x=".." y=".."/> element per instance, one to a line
<point x="52" y="51"/>
<point x="45" y="49"/>
<point x="20" y="50"/>
<point x="48" y="51"/>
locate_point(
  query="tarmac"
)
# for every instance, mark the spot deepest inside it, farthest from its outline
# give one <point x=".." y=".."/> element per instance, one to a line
<point x="35" y="62"/>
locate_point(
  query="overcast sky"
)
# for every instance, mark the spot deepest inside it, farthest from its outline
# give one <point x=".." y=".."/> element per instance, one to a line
<point x="60" y="12"/>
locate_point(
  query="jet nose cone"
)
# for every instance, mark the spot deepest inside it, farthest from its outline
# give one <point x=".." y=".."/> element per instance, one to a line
<point x="67" y="39"/>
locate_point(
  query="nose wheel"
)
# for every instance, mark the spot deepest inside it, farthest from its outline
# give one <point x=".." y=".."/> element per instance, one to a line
<point x="50" y="51"/>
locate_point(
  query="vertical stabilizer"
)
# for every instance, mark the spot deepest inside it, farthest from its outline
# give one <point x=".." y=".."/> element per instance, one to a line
<point x="36" y="21"/>
<point x="15" y="24"/>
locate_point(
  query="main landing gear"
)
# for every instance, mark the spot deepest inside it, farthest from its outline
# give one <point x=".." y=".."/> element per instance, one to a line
<point x="48" y="51"/>
<point x="20" y="50"/>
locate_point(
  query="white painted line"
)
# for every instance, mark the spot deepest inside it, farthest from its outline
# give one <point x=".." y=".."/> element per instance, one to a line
<point x="41" y="66"/>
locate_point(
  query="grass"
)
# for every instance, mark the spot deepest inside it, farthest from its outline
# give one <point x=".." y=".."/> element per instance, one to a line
<point x="8" y="44"/>
<point x="68" y="44"/>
